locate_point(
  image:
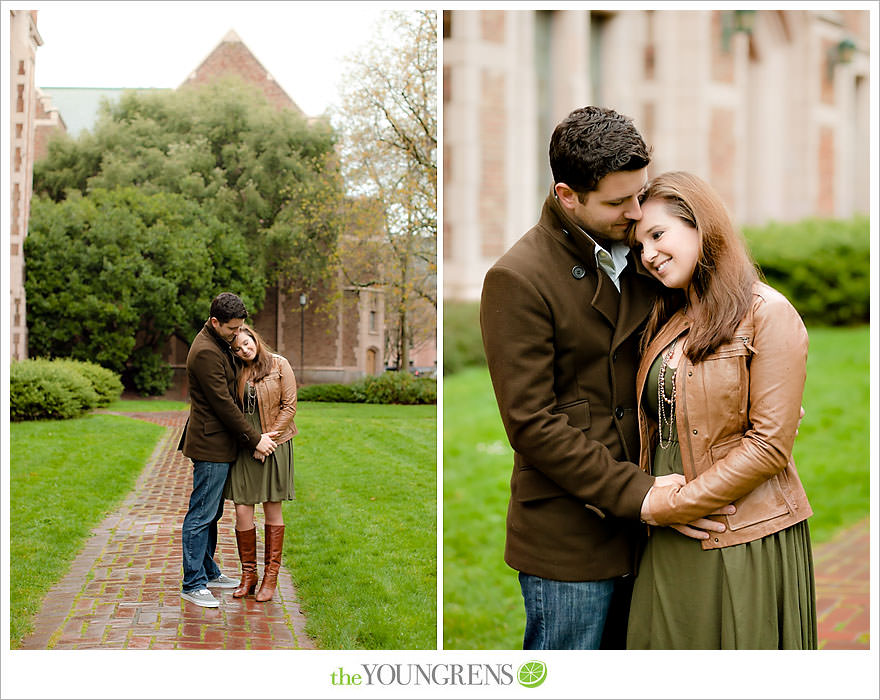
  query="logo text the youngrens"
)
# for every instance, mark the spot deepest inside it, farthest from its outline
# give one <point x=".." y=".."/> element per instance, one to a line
<point x="426" y="674"/>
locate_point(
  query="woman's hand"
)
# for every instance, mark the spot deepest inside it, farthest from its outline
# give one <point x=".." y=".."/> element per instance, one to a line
<point x="698" y="529"/>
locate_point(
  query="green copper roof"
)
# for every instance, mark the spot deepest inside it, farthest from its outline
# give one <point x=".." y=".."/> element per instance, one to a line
<point x="78" y="107"/>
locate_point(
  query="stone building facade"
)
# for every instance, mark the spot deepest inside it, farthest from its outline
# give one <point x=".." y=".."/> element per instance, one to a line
<point x="23" y="107"/>
<point x="770" y="106"/>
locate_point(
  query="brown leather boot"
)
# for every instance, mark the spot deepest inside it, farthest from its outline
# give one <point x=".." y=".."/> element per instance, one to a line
<point x="247" y="553"/>
<point x="271" y="561"/>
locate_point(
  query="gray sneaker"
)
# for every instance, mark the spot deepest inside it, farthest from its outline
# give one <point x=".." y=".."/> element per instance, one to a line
<point x="223" y="581"/>
<point x="202" y="597"/>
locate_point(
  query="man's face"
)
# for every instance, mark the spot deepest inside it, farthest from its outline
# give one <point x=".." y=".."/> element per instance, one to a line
<point x="607" y="210"/>
<point x="229" y="330"/>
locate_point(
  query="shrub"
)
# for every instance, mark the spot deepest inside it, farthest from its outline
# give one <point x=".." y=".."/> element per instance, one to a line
<point x="390" y="387"/>
<point x="462" y="341"/>
<point x="338" y="393"/>
<point x="397" y="387"/>
<point x="821" y="265"/>
<point x="41" y="389"/>
<point x="150" y="374"/>
<point x="106" y="384"/>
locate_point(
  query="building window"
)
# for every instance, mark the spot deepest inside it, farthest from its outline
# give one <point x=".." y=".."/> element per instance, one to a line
<point x="373" y="321"/>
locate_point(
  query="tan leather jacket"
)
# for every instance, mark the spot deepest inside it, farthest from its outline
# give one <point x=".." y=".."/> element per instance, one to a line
<point x="736" y="413"/>
<point x="276" y="394"/>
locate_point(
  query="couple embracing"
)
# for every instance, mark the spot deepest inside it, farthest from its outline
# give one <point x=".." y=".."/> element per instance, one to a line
<point x="239" y="438"/>
<point x="650" y="386"/>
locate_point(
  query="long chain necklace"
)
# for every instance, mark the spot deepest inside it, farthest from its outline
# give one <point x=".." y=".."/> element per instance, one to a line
<point x="666" y="402"/>
<point x="250" y="398"/>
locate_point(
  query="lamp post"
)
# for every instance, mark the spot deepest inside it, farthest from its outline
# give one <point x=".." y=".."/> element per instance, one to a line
<point x="733" y="21"/>
<point x="839" y="54"/>
<point x="302" y="336"/>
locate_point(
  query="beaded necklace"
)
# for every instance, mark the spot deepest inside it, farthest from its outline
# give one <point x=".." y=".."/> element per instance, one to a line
<point x="250" y="398"/>
<point x="663" y="400"/>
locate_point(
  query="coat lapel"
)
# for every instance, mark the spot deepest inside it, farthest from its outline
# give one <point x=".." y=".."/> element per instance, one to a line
<point x="606" y="299"/>
<point x="637" y="294"/>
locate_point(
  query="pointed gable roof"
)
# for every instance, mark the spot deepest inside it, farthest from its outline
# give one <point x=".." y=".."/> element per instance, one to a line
<point x="232" y="57"/>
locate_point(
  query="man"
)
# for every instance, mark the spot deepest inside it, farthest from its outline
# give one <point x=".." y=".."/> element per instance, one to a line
<point x="561" y="316"/>
<point x="215" y="429"/>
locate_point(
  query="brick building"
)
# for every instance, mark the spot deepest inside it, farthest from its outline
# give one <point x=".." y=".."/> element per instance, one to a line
<point x="770" y="106"/>
<point x="23" y="107"/>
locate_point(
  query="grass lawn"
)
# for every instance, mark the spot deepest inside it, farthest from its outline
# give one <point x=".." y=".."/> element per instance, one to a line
<point x="363" y="528"/>
<point x="146" y="406"/>
<point x="64" y="478"/>
<point x="482" y="605"/>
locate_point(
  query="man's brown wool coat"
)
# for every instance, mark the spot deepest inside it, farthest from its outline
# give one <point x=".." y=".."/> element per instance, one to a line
<point x="562" y="349"/>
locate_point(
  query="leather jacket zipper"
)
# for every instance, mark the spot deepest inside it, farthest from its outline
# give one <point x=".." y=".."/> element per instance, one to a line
<point x="745" y="341"/>
<point x="687" y="429"/>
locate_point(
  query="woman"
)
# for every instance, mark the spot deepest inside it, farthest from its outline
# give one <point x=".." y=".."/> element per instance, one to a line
<point x="719" y="394"/>
<point x="267" y="389"/>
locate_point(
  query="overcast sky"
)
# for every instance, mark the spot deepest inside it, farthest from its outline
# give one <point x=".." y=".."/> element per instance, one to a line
<point x="159" y="43"/>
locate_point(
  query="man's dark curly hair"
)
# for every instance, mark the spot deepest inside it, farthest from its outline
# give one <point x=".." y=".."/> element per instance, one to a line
<point x="227" y="306"/>
<point x="592" y="142"/>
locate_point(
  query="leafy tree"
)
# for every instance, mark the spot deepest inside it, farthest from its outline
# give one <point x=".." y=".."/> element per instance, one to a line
<point x="389" y="150"/>
<point x="111" y="276"/>
<point x="267" y="173"/>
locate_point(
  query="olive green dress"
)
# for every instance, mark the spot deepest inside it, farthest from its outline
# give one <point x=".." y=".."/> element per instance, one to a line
<point x="757" y="595"/>
<point x="251" y="481"/>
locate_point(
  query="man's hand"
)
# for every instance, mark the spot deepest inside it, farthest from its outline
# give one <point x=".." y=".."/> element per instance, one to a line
<point x="267" y="445"/>
<point x="700" y="528"/>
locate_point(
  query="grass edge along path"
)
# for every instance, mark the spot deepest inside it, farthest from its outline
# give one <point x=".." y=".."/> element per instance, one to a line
<point x="482" y="605"/>
<point x="361" y="540"/>
<point x="65" y="477"/>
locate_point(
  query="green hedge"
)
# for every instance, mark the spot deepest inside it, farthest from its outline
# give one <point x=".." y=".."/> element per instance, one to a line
<point x="333" y="393"/>
<point x="107" y="384"/>
<point x="386" y="388"/>
<point x="822" y="265"/>
<point x="149" y="373"/>
<point x="57" y="389"/>
<point x="462" y="341"/>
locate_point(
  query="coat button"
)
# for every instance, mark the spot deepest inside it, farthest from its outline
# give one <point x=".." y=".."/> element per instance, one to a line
<point x="578" y="272"/>
<point x="618" y="412"/>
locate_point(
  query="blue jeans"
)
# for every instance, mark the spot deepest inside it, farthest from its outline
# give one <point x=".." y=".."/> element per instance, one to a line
<point x="565" y="614"/>
<point x="199" y="532"/>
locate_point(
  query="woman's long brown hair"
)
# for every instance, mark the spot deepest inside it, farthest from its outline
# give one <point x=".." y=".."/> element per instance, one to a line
<point x="724" y="275"/>
<point x="260" y="366"/>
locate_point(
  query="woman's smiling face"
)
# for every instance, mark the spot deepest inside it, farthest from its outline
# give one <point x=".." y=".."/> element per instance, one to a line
<point x="245" y="347"/>
<point x="670" y="247"/>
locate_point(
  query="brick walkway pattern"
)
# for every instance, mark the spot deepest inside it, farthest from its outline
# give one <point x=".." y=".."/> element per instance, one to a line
<point x="843" y="591"/>
<point x="123" y="589"/>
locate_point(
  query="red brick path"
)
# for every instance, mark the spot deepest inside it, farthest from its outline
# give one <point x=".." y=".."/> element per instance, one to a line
<point x="843" y="592"/>
<point x="123" y="590"/>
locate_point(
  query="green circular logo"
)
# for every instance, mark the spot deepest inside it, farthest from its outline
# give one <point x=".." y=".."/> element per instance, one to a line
<point x="532" y="673"/>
